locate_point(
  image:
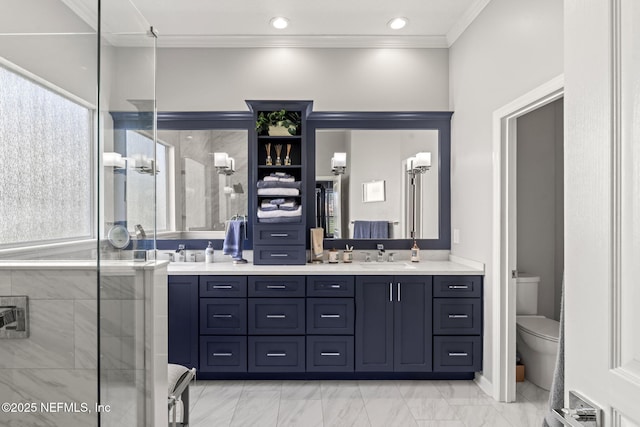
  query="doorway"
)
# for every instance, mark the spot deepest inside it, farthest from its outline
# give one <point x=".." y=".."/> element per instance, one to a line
<point x="505" y="242"/>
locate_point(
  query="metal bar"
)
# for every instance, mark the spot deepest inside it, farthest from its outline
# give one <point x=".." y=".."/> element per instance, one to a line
<point x="222" y="316"/>
<point x="458" y="286"/>
<point x="458" y="316"/>
<point x="276" y="354"/>
<point x="458" y="354"/>
<point x="222" y="286"/>
<point x="276" y="316"/>
<point x="276" y="287"/>
<point x="330" y="316"/>
<point x="329" y="354"/>
<point x="222" y="354"/>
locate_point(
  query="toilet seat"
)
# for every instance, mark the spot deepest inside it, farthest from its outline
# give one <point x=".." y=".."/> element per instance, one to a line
<point x="539" y="326"/>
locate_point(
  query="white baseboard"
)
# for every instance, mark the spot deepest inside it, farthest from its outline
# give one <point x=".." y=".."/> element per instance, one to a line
<point x="485" y="385"/>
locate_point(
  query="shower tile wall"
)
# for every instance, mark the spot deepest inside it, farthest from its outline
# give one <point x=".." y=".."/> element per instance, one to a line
<point x="57" y="363"/>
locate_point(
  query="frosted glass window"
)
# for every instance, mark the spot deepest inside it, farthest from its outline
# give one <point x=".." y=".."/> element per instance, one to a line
<point x="140" y="186"/>
<point x="45" y="164"/>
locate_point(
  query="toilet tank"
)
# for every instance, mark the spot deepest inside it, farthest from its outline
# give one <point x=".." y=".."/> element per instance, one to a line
<point x="527" y="294"/>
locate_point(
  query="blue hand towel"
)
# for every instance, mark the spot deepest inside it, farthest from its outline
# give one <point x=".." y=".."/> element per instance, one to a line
<point x="362" y="229"/>
<point x="379" y="229"/>
<point x="233" y="240"/>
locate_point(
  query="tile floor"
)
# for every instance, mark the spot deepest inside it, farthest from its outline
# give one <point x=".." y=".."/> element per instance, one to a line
<point x="360" y="403"/>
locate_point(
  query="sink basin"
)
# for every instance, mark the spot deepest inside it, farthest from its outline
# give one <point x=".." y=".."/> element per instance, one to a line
<point x="386" y="266"/>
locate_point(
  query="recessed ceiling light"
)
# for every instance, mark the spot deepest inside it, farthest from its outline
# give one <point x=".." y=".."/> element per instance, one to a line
<point x="397" y="23"/>
<point x="279" y="22"/>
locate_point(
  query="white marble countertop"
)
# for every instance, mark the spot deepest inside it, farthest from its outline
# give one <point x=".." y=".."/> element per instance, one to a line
<point x="81" y="265"/>
<point x="440" y="267"/>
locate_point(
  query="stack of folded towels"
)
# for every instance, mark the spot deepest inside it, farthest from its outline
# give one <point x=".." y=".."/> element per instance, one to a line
<point x="279" y="210"/>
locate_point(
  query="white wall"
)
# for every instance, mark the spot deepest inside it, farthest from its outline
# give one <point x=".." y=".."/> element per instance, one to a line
<point x="540" y="210"/>
<point x="335" y="79"/>
<point x="512" y="47"/>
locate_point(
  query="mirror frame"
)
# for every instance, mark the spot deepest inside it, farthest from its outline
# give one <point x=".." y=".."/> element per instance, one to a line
<point x="440" y="121"/>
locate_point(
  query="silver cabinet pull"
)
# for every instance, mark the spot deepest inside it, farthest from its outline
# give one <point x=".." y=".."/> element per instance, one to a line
<point x="390" y="291"/>
<point x="458" y="316"/>
<point x="398" y="291"/>
<point x="222" y="286"/>
<point x="279" y="234"/>
<point x="458" y="354"/>
<point x="458" y="286"/>
<point x="279" y="255"/>
<point x="222" y="354"/>
<point x="276" y="287"/>
<point x="276" y="354"/>
<point x="335" y="286"/>
<point x="330" y="316"/>
<point x="222" y="316"/>
<point x="329" y="354"/>
<point x="276" y="316"/>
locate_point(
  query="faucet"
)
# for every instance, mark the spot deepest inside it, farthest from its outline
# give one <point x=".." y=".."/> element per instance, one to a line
<point x="380" y="247"/>
<point x="367" y="256"/>
<point x="180" y="252"/>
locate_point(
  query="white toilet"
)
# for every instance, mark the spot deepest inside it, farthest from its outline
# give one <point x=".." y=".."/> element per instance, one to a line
<point x="537" y="336"/>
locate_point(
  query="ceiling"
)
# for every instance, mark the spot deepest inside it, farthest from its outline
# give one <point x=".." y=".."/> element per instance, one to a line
<point x="327" y="23"/>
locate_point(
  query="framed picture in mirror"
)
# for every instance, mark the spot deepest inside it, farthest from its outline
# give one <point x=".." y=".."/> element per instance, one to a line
<point x="373" y="191"/>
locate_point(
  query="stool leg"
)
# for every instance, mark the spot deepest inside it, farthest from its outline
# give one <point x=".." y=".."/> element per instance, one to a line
<point x="185" y="407"/>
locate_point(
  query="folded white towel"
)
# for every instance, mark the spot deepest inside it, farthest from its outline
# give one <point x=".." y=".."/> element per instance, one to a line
<point x="271" y="178"/>
<point x="279" y="213"/>
<point x="278" y="192"/>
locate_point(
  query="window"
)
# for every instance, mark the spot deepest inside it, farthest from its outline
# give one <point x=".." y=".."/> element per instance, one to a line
<point x="45" y="164"/>
<point x="140" y="184"/>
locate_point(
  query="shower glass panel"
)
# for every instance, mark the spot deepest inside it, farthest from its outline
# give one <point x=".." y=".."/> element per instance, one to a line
<point x="131" y="166"/>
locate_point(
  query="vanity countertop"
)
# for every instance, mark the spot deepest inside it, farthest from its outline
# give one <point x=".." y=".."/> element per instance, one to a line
<point x="440" y="267"/>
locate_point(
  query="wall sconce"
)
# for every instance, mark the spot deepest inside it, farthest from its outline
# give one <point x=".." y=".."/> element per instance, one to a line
<point x="224" y="164"/>
<point x="339" y="163"/>
<point x="420" y="163"/>
<point x="113" y="160"/>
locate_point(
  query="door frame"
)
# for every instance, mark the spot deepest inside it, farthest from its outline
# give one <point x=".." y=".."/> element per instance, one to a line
<point x="504" y="231"/>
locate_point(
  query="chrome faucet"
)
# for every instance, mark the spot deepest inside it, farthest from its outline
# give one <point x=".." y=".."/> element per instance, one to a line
<point x="380" y="247"/>
<point x="180" y="253"/>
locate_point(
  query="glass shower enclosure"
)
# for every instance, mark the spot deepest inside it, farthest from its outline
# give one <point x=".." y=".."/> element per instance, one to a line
<point x="78" y="217"/>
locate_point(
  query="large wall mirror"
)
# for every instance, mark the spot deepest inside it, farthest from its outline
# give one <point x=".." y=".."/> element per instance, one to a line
<point x="382" y="178"/>
<point x="201" y="169"/>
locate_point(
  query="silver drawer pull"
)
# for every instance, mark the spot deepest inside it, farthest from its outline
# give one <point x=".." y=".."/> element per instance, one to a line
<point x="279" y="255"/>
<point x="458" y="354"/>
<point x="222" y="316"/>
<point x="276" y="287"/>
<point x="330" y="316"/>
<point x="458" y="316"/>
<point x="222" y="287"/>
<point x="458" y="286"/>
<point x="329" y="354"/>
<point x="276" y="316"/>
<point x="222" y="354"/>
<point x="279" y="234"/>
<point x="335" y="286"/>
<point x="276" y="354"/>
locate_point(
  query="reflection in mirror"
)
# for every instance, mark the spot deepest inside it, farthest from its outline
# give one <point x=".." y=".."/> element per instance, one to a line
<point x="377" y="159"/>
<point x="205" y="193"/>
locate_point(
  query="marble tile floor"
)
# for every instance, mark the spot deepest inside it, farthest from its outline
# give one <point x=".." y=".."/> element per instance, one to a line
<point x="360" y="403"/>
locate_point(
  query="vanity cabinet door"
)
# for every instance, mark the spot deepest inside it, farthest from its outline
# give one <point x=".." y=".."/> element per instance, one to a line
<point x="374" y="323"/>
<point x="412" y="324"/>
<point x="183" y="320"/>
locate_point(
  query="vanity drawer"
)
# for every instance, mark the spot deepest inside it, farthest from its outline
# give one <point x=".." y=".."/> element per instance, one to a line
<point x="457" y="316"/>
<point x="330" y="286"/>
<point x="223" y="316"/>
<point x="457" y="354"/>
<point x="279" y="255"/>
<point x="223" y="354"/>
<point x="223" y="286"/>
<point x="276" y="354"/>
<point x="276" y="316"/>
<point x="330" y="354"/>
<point x="330" y="316"/>
<point x="276" y="286"/>
<point x="278" y="234"/>
<point x="457" y="286"/>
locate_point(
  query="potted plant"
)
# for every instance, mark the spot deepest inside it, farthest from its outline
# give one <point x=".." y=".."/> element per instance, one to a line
<point x="278" y="123"/>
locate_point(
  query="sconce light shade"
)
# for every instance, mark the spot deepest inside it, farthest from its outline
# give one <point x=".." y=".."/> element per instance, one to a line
<point x="115" y="160"/>
<point x="422" y="160"/>
<point x="339" y="163"/>
<point x="224" y="164"/>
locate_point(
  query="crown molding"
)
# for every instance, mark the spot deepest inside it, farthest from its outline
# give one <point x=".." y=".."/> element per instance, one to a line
<point x="463" y="23"/>
<point x="339" y="41"/>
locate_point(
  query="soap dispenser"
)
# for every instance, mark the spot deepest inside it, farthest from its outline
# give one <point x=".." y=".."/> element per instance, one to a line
<point x="208" y="254"/>
<point x="415" y="252"/>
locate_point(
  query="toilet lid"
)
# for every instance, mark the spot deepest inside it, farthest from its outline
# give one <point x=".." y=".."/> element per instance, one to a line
<point x="540" y="326"/>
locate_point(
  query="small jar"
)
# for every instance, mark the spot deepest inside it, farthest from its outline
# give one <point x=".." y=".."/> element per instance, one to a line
<point x="347" y="256"/>
<point x="333" y="256"/>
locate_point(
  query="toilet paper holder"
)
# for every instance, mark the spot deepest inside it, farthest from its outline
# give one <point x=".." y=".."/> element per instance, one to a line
<point x="14" y="316"/>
